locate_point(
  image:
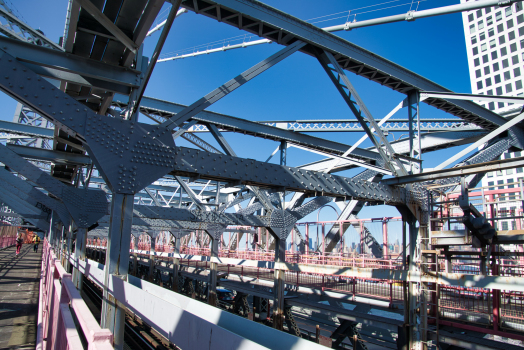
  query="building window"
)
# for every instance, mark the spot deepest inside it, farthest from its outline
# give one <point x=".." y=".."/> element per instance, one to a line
<point x="491" y="106"/>
<point x="505" y="63"/>
<point x="516" y="154"/>
<point x="503" y="52"/>
<point x="489" y="92"/>
<point x="508" y="88"/>
<point x="492" y="43"/>
<point x="486" y="70"/>
<point x="515" y="59"/>
<point x="489" y="21"/>
<point x="500" y="182"/>
<point x="511" y="35"/>
<point x="491" y="183"/>
<point x="491" y="32"/>
<point x="498" y="16"/>
<point x="472" y="29"/>
<point x="516" y="72"/>
<point x="499" y="89"/>
<point x="521" y="31"/>
<point x="494" y="55"/>
<point x="483" y="47"/>
<point x="473" y="40"/>
<point x="495" y="67"/>
<point x="471" y="18"/>
<point x="479" y="84"/>
<point x="482" y="36"/>
<point x="520" y="19"/>
<point x="504" y="225"/>
<point x="510" y="180"/>
<point x="520" y="170"/>
<point x="475" y="51"/>
<point x="485" y="59"/>
<point x="518" y="7"/>
<point x="513" y="47"/>
<point x="488" y="82"/>
<point x="478" y="73"/>
<point x="500" y="28"/>
<point x="518" y="84"/>
<point x="507" y="75"/>
<point x="500" y="104"/>
<point x="476" y="62"/>
<point x="509" y="11"/>
<point x="509" y="172"/>
<point x="509" y="24"/>
<point x="490" y="174"/>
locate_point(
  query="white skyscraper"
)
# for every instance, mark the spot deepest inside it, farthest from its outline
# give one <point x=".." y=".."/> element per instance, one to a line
<point x="495" y="46"/>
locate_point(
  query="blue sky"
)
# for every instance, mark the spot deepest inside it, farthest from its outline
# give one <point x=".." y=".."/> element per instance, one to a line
<point x="296" y="88"/>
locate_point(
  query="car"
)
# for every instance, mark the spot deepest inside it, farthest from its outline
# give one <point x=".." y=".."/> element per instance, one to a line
<point x="225" y="295"/>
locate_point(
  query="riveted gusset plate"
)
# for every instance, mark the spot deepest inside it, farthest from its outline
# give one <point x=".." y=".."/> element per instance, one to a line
<point x="129" y="155"/>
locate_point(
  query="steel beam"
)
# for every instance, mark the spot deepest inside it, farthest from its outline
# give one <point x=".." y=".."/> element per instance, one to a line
<point x="232" y="85"/>
<point x="228" y="123"/>
<point x="109" y="25"/>
<point x="250" y="172"/>
<point x="80" y="69"/>
<point x="359" y="109"/>
<point x="278" y="24"/>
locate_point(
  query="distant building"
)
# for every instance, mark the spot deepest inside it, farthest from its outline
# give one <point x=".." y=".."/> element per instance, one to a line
<point x="495" y="49"/>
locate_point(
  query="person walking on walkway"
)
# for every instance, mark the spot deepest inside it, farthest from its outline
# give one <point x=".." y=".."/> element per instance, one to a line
<point x="36" y="241"/>
<point x="19" y="242"/>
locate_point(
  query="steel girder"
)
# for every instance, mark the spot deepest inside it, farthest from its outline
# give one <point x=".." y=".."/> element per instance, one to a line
<point x="26" y="130"/>
<point x="85" y="206"/>
<point x="30" y="213"/>
<point x="488" y="153"/>
<point x="50" y="155"/>
<point x="35" y="194"/>
<point x="430" y="142"/>
<point x="72" y="68"/>
<point x="361" y="112"/>
<point x="191" y="162"/>
<point x="25" y="33"/>
<point x="270" y="23"/>
<point x="166" y="109"/>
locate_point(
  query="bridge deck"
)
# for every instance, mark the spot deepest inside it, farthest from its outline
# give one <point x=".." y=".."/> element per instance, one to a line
<point x="19" y="288"/>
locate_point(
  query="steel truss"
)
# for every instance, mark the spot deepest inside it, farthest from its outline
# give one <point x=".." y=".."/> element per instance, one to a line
<point x="103" y="58"/>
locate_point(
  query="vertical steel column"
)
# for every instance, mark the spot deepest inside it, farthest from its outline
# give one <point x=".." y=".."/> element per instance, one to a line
<point x="279" y="284"/>
<point x="151" y="259"/>
<point x="176" y="264"/>
<point x="50" y="234"/>
<point x="117" y="264"/>
<point x="414" y="334"/>
<point x="68" y="247"/>
<point x="283" y="153"/>
<point x="413" y="115"/>
<point x="80" y="255"/>
<point x="307" y="239"/>
<point x="385" y="252"/>
<point x="212" y="287"/>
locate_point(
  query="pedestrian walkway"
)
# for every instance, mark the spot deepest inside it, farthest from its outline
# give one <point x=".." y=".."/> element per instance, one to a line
<point x="19" y="287"/>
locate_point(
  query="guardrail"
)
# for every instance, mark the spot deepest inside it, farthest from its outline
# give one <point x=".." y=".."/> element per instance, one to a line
<point x="7" y="236"/>
<point x="59" y="304"/>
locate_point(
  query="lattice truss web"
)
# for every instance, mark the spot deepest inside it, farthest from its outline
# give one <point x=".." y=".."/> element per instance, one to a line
<point x="12" y="26"/>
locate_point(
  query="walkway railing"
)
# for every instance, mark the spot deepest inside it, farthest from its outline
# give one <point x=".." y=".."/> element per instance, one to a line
<point x="7" y="236"/>
<point x="60" y="303"/>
